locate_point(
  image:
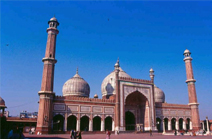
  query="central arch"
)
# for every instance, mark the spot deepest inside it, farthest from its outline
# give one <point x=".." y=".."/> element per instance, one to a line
<point x="136" y="112"/>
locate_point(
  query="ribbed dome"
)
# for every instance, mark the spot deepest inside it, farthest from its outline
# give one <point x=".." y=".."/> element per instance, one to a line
<point x="76" y="86"/>
<point x="159" y="95"/>
<point x="2" y="103"/>
<point x="108" y="84"/>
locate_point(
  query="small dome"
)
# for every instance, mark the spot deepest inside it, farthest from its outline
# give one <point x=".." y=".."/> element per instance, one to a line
<point x="53" y="19"/>
<point x="187" y="51"/>
<point x="151" y="70"/>
<point x="108" y="84"/>
<point x="159" y="95"/>
<point x="95" y="96"/>
<point x="76" y="86"/>
<point x="2" y="103"/>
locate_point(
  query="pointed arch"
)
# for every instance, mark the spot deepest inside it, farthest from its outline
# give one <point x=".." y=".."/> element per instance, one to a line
<point x="97" y="123"/>
<point x="108" y="123"/>
<point x="58" y="121"/>
<point x="166" y="120"/>
<point x="71" y="122"/>
<point x="181" y="123"/>
<point x="188" y="123"/>
<point x="173" y="123"/>
<point x="158" y="123"/>
<point x="84" y="123"/>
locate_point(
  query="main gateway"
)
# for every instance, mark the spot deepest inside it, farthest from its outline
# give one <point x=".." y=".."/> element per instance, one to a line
<point x="126" y="104"/>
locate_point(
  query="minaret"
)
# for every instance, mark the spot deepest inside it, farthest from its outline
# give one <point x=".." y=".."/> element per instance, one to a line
<point x="153" y="115"/>
<point x="44" y="121"/>
<point x="117" y="105"/>
<point x="191" y="91"/>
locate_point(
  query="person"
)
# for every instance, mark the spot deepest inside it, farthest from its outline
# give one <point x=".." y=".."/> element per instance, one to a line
<point x="10" y="134"/>
<point x="75" y="134"/>
<point x="150" y="131"/>
<point x="71" y="134"/>
<point x="175" y="132"/>
<point x="30" y="131"/>
<point x="107" y="134"/>
<point x="79" y="135"/>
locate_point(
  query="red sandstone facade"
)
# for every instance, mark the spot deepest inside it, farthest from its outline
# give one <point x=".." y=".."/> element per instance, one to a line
<point x="127" y="104"/>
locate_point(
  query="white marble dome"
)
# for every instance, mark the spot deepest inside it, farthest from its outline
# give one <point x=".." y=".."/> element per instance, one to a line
<point x="159" y="95"/>
<point x="108" y="84"/>
<point x="76" y="86"/>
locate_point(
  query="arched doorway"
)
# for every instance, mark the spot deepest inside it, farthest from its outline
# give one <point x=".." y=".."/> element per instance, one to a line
<point x="108" y="123"/>
<point x="129" y="120"/>
<point x="158" y="122"/>
<point x="96" y="123"/>
<point x="188" y="124"/>
<point x="84" y="123"/>
<point x="58" y="121"/>
<point x="181" y="123"/>
<point x="166" y="120"/>
<point x="173" y="122"/>
<point x="136" y="102"/>
<point x="71" y="122"/>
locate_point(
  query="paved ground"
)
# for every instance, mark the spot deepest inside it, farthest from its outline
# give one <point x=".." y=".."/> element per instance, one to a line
<point x="120" y="136"/>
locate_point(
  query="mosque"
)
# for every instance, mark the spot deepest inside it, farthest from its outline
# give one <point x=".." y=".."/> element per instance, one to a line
<point x="127" y="103"/>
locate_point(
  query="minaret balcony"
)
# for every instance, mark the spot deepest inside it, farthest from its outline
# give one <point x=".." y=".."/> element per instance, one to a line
<point x="49" y="59"/>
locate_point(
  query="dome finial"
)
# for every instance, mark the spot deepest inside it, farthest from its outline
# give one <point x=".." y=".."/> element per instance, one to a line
<point x="77" y="71"/>
<point x="151" y="74"/>
<point x="117" y="63"/>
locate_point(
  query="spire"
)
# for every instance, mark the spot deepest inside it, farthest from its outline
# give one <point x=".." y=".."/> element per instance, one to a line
<point x="77" y="71"/>
<point x="151" y="74"/>
<point x="77" y="75"/>
<point x="117" y="64"/>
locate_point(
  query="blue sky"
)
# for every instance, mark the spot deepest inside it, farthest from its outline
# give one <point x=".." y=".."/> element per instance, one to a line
<point x="93" y="34"/>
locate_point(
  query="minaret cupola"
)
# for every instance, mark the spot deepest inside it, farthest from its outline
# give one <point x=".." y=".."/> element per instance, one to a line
<point x="187" y="53"/>
<point x="53" y="23"/>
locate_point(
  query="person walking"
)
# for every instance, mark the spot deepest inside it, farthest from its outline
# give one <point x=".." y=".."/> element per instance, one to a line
<point x="71" y="134"/>
<point x="175" y="132"/>
<point x="75" y="134"/>
<point x="79" y="136"/>
<point x="150" y="132"/>
<point x="107" y="134"/>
